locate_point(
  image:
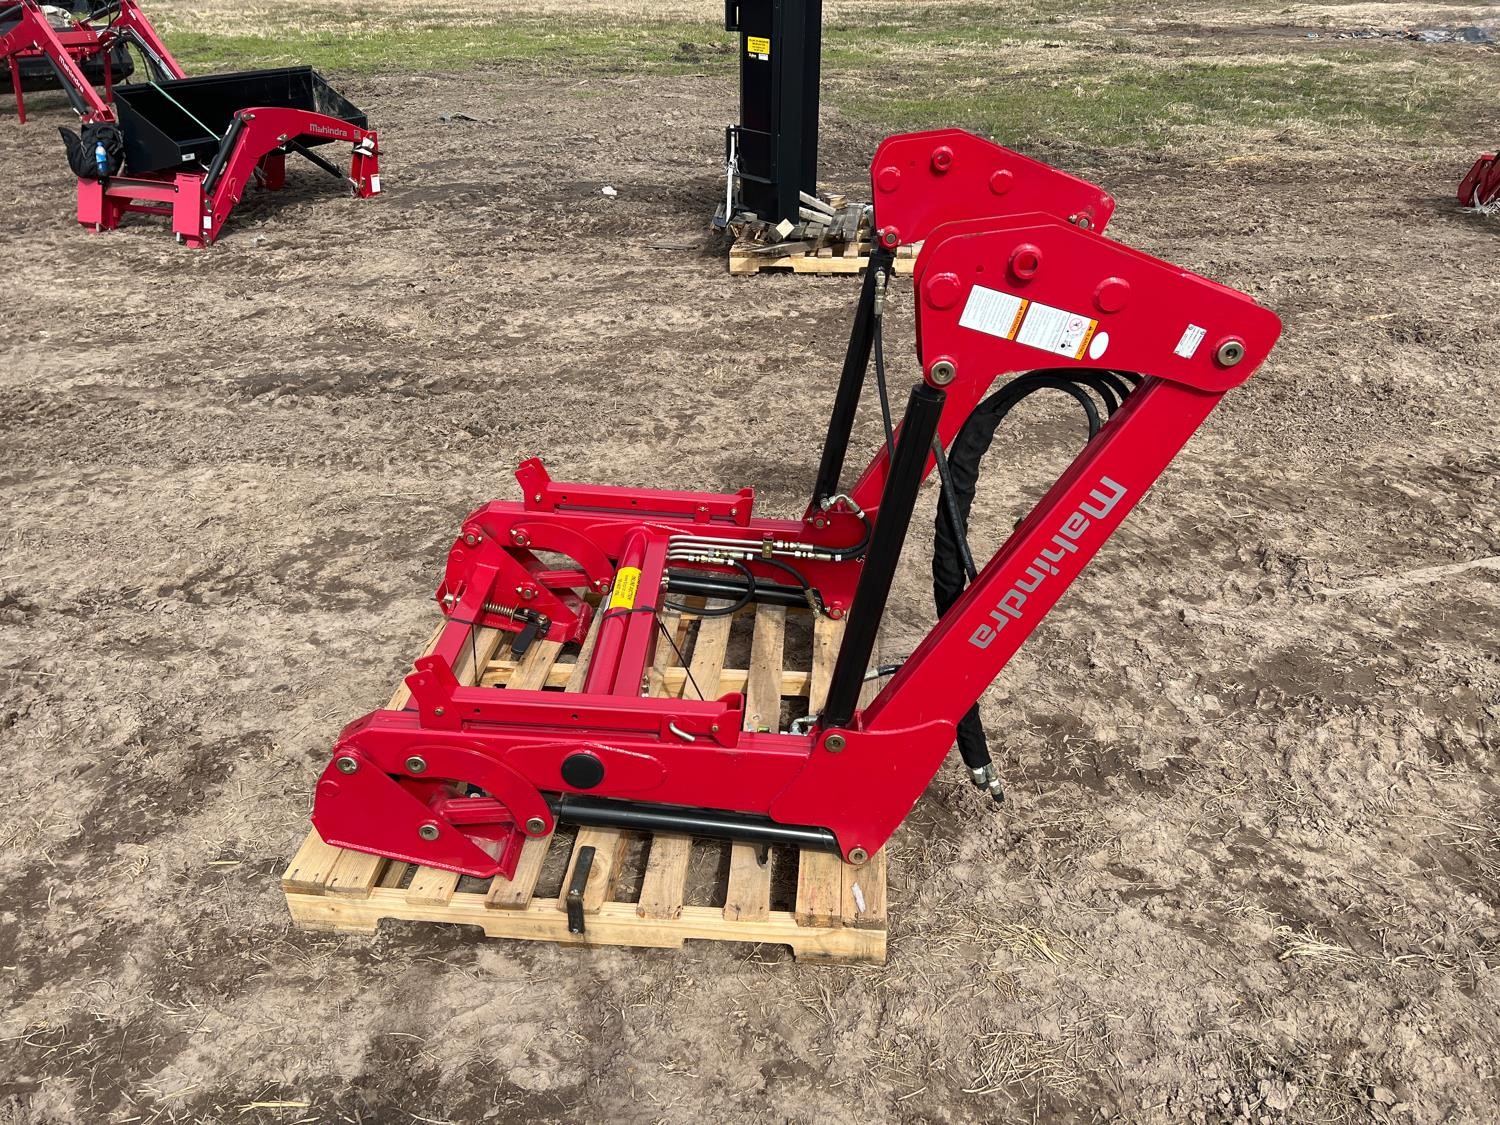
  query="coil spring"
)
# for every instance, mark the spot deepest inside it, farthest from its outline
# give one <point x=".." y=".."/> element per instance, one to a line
<point x="515" y="614"/>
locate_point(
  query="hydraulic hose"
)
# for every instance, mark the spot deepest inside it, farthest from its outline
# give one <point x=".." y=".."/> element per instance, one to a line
<point x="953" y="565"/>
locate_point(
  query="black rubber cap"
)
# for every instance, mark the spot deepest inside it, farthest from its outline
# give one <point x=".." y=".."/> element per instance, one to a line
<point x="582" y="771"/>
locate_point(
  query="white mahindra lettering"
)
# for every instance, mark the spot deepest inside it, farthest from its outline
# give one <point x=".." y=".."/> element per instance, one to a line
<point x="1065" y="543"/>
<point x="328" y="131"/>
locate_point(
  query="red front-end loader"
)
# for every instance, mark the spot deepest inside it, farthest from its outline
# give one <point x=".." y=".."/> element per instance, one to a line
<point x="1018" y="291"/>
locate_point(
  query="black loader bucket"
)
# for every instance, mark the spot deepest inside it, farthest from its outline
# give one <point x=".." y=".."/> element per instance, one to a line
<point x="181" y="123"/>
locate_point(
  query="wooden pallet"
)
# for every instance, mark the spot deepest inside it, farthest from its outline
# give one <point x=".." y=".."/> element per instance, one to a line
<point x="748" y="256"/>
<point x="832" y="238"/>
<point x="642" y="890"/>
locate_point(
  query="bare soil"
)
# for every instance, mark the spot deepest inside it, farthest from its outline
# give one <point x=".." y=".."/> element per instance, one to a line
<point x="1248" y="870"/>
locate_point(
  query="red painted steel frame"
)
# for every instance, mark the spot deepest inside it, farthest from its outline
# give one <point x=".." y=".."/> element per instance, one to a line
<point x="34" y="36"/>
<point x="1481" y="186"/>
<point x="922" y="180"/>
<point x="199" y="206"/>
<point x="997" y="294"/>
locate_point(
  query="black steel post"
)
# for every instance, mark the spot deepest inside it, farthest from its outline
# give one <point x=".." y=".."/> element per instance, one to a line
<point x="776" y="140"/>
<point x="851" y="382"/>
<point x="897" y="500"/>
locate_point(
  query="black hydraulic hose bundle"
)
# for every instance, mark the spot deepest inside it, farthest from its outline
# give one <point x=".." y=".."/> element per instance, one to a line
<point x="953" y="566"/>
<point x="952" y="559"/>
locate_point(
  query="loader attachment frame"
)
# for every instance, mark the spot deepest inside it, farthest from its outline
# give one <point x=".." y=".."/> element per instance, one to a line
<point x="1007" y="282"/>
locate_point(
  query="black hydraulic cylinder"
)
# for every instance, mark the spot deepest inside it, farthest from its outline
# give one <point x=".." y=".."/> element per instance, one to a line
<point x="851" y="382"/>
<point x="704" y="585"/>
<point x="715" y="824"/>
<point x="776" y="140"/>
<point x="899" y="498"/>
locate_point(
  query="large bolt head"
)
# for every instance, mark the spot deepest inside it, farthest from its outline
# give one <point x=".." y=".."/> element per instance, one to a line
<point x="858" y="855"/>
<point x="1230" y="352"/>
<point x="943" y="290"/>
<point x="346" y="764"/>
<point x="1111" y="295"/>
<point x="416" y="764"/>
<point x="428" y="832"/>
<point x="834" y="743"/>
<point x="943" y="372"/>
<point x="536" y="826"/>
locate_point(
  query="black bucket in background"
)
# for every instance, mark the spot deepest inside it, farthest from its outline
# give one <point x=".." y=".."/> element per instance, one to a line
<point x="178" y="124"/>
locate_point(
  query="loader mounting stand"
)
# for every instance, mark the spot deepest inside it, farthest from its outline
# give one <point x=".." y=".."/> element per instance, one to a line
<point x="1014" y="276"/>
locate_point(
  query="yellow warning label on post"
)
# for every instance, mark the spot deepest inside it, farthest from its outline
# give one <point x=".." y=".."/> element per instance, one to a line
<point x="627" y="583"/>
<point x="757" y="46"/>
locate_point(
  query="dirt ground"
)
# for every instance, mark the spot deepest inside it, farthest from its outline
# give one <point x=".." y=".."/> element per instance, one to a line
<point x="1250" y="866"/>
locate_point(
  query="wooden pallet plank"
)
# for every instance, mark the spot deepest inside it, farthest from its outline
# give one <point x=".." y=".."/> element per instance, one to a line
<point x="863" y="900"/>
<point x="609" y="850"/>
<point x="585" y="655"/>
<point x="710" y="650"/>
<point x="828" y="635"/>
<point x="431" y="886"/>
<point x="616" y="923"/>
<point x="767" y="651"/>
<point x="665" y="656"/>
<point x="354" y="873"/>
<point x="744" y="260"/>
<point x="665" y="880"/>
<point x="820" y="889"/>
<point x="515" y="893"/>
<point x="531" y="673"/>
<point x="749" y="892"/>
<point x="394" y="872"/>
<point x="311" y="866"/>
<point x="474" y="655"/>
<point x="749" y="895"/>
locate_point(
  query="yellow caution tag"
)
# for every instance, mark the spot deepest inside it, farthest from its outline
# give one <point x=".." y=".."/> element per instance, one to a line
<point x="627" y="582"/>
<point x="757" y="46"/>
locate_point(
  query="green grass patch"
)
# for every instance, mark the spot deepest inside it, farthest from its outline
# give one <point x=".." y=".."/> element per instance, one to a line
<point x="663" y="47"/>
<point x="1119" y="102"/>
<point x="981" y="67"/>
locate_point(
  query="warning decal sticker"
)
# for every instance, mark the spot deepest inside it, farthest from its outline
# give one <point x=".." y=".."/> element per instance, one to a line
<point x="627" y="583"/>
<point x="758" y="47"/>
<point x="1032" y="323"/>
<point x="993" y="312"/>
<point x="1192" y="336"/>
<point x="1056" y="330"/>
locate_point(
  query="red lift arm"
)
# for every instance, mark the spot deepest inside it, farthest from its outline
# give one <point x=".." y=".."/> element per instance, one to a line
<point x="460" y="777"/>
<point x="33" y="36"/>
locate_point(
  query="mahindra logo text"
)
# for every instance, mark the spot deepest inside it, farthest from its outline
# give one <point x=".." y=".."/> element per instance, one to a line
<point x="1064" y="543"/>
<point x="327" y="130"/>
